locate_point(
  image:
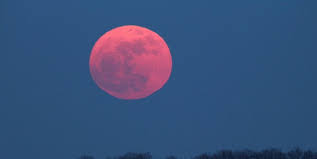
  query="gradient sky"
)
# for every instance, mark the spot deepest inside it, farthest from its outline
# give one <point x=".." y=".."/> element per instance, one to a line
<point x="244" y="76"/>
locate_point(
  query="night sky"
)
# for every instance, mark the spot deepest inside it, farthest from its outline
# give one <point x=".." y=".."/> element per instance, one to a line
<point x="244" y="76"/>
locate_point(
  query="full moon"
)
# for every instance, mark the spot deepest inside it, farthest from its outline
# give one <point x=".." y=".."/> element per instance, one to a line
<point x="130" y="62"/>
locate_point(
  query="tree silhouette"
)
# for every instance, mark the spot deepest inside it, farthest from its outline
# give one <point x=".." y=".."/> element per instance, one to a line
<point x="229" y="154"/>
<point x="131" y="155"/>
<point x="265" y="154"/>
<point x="171" y="157"/>
<point x="203" y="156"/>
<point x="295" y="154"/>
<point x="86" y="157"/>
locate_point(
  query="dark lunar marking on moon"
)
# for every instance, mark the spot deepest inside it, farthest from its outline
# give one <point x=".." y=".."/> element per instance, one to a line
<point x="121" y="85"/>
<point x="118" y="75"/>
<point x="151" y="40"/>
<point x="117" y="87"/>
<point x="135" y="47"/>
<point x="128" y="79"/>
<point x="138" y="47"/>
<point x="122" y="47"/>
<point x="128" y="67"/>
<point x="125" y="65"/>
<point x="138" y="82"/>
<point x="109" y="65"/>
<point x="155" y="52"/>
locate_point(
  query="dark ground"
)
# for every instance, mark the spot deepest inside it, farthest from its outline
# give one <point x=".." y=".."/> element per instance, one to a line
<point x="229" y="154"/>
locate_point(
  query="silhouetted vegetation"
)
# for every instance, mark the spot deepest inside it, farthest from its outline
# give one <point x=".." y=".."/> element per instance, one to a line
<point x="229" y="154"/>
<point x="86" y="157"/>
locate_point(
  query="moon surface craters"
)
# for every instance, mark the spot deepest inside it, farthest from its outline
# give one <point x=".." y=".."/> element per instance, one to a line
<point x="130" y="62"/>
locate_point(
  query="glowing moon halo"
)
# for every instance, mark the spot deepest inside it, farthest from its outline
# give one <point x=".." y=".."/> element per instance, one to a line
<point x="130" y="62"/>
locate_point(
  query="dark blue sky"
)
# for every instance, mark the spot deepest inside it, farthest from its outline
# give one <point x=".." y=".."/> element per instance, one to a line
<point x="244" y="76"/>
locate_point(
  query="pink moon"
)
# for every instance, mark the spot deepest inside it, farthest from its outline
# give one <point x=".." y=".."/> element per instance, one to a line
<point x="130" y="62"/>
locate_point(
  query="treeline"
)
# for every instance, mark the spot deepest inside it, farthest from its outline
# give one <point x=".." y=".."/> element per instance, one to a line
<point x="229" y="154"/>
